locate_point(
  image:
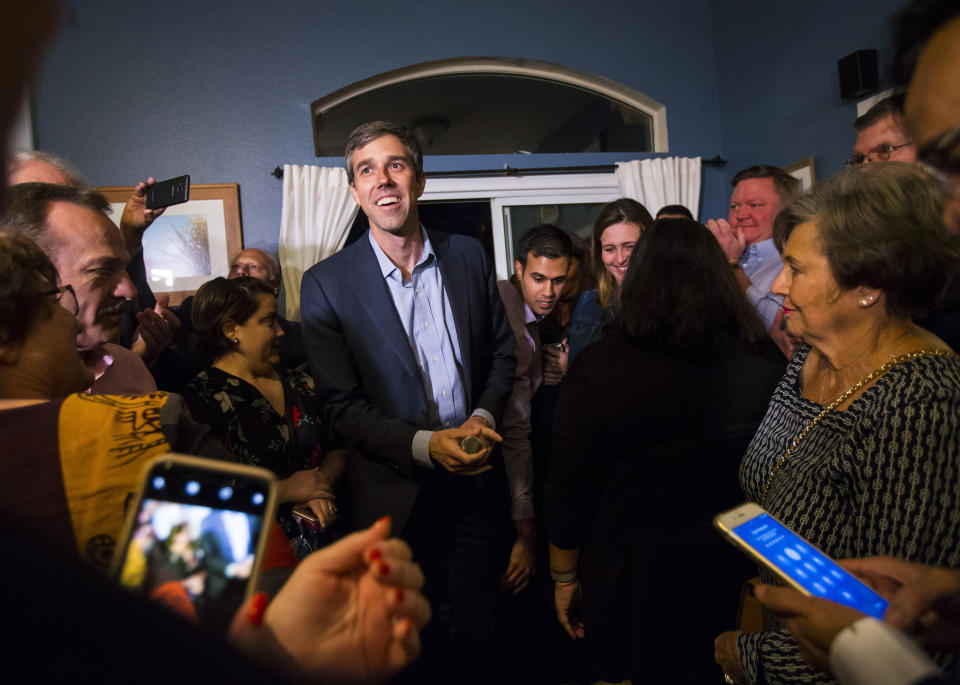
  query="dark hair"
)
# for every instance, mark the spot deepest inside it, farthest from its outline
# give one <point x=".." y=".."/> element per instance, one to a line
<point x="911" y="28"/>
<point x="675" y="209"/>
<point x="369" y="132"/>
<point x="222" y="300"/>
<point x="887" y="107"/>
<point x="786" y="185"/>
<point x="680" y="292"/>
<point x="544" y="240"/>
<point x="27" y="207"/>
<point x="880" y="226"/>
<point x="581" y="252"/>
<point x="624" y="210"/>
<point x="25" y="272"/>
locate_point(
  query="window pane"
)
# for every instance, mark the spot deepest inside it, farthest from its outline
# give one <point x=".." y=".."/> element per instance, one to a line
<point x="575" y="218"/>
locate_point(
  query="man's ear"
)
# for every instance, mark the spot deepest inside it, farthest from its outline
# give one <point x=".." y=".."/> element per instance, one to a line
<point x="518" y="269"/>
<point x="354" y="194"/>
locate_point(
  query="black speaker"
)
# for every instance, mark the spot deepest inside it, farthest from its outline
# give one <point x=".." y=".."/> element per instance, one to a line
<point x="858" y="74"/>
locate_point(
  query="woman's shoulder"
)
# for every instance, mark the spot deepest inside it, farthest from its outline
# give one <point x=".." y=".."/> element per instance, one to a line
<point x="927" y="377"/>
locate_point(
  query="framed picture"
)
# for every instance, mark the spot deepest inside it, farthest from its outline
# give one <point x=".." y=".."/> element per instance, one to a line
<point x="804" y="172"/>
<point x="190" y="243"/>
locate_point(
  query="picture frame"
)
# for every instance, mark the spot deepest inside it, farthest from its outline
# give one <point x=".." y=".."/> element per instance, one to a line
<point x="190" y="243"/>
<point x="804" y="172"/>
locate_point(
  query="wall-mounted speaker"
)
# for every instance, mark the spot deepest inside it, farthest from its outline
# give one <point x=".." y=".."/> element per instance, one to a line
<point x="858" y="74"/>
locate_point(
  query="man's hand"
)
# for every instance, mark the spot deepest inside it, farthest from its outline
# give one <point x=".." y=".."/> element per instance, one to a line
<point x="350" y="613"/>
<point x="325" y="509"/>
<point x="726" y="654"/>
<point x="924" y="599"/>
<point x="565" y="598"/>
<point x="814" y="621"/>
<point x="731" y="239"/>
<point x="554" y="364"/>
<point x="778" y="333"/>
<point x="136" y="217"/>
<point x="522" y="564"/>
<point x="155" y="330"/>
<point x="445" y="447"/>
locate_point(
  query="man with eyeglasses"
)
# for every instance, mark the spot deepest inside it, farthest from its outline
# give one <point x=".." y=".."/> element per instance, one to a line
<point x="881" y="135"/>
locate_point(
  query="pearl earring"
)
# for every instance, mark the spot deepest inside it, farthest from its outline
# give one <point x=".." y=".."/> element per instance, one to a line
<point x="235" y="340"/>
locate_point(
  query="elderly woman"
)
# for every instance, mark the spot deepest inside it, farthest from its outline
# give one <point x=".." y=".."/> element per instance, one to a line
<point x="644" y="453"/>
<point x="265" y="415"/>
<point x="615" y="232"/>
<point x="858" y="450"/>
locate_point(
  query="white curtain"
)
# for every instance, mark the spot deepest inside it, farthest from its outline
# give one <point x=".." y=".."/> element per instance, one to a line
<point x="655" y="183"/>
<point x="317" y="214"/>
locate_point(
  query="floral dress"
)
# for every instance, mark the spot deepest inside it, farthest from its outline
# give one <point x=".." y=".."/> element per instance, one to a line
<point x="255" y="433"/>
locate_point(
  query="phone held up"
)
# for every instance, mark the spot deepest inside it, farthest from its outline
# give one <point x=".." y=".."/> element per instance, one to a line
<point x="196" y="535"/>
<point x="173" y="191"/>
<point x="795" y="561"/>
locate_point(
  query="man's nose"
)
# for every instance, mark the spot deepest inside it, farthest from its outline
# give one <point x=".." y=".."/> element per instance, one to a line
<point x="125" y="287"/>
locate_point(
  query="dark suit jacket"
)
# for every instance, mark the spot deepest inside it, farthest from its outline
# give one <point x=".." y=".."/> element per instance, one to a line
<point x="366" y="373"/>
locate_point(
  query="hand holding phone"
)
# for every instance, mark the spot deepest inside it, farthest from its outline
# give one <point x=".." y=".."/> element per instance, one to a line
<point x="794" y="560"/>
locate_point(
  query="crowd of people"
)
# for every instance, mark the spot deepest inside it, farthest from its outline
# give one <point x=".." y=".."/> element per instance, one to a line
<point x="549" y="449"/>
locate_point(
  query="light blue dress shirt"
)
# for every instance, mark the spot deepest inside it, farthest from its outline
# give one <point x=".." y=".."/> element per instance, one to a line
<point x="761" y="263"/>
<point x="427" y="318"/>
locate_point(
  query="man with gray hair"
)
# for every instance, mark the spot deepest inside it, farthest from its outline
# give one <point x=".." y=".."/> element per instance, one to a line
<point x="149" y="328"/>
<point x="71" y="226"/>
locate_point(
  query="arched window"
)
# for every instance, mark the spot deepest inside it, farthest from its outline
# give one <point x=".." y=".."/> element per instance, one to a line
<point x="495" y="105"/>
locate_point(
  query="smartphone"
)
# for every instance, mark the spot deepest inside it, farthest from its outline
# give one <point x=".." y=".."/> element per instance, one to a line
<point x="173" y="191"/>
<point x="794" y="560"/>
<point x="195" y="537"/>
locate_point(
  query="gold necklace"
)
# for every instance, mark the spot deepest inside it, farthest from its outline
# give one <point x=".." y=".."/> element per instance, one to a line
<point x="879" y="371"/>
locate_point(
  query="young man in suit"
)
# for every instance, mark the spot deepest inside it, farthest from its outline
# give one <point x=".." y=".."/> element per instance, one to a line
<point x="412" y="354"/>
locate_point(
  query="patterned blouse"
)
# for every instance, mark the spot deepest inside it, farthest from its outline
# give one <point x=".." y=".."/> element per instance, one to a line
<point x="881" y="477"/>
<point x="254" y="432"/>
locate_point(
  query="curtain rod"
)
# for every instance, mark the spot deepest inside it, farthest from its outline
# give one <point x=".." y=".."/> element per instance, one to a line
<point x="716" y="161"/>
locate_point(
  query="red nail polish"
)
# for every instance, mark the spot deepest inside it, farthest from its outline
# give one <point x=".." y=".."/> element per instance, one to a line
<point x="258" y="607"/>
<point x="384" y="568"/>
<point x="375" y="554"/>
<point x="398" y="595"/>
<point x="384" y="519"/>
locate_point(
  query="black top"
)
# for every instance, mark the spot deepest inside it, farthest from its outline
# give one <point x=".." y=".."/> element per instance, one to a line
<point x="644" y="453"/>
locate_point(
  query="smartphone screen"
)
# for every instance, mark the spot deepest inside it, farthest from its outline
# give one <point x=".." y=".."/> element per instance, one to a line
<point x="806" y="566"/>
<point x="194" y="540"/>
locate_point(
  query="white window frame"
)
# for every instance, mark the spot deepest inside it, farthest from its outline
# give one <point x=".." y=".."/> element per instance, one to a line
<point x="501" y="191"/>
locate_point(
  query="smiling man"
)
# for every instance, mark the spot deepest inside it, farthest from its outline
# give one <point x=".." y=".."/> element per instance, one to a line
<point x="71" y="226"/>
<point x="412" y="353"/>
<point x="746" y="237"/>
<point x="539" y="273"/>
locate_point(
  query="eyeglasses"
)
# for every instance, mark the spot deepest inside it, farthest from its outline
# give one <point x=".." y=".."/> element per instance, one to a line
<point x="938" y="159"/>
<point x="881" y="152"/>
<point x="66" y="298"/>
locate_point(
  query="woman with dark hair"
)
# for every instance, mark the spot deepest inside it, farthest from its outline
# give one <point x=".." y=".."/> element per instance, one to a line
<point x="615" y="232"/>
<point x="649" y="429"/>
<point x="266" y="416"/>
<point x="858" y="452"/>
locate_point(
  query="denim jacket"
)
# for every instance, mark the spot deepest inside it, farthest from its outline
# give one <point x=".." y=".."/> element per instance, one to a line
<point x="587" y="322"/>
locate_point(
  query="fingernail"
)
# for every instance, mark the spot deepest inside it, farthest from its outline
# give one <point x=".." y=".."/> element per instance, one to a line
<point x="398" y="595"/>
<point x="384" y="568"/>
<point x="375" y="554"/>
<point x="258" y="607"/>
<point x="384" y="519"/>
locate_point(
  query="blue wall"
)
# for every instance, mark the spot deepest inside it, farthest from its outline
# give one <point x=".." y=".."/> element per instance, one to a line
<point x="221" y="90"/>
<point x="777" y="74"/>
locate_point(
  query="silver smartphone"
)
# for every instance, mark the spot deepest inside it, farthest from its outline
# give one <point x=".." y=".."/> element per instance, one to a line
<point x="795" y="561"/>
<point x="195" y="536"/>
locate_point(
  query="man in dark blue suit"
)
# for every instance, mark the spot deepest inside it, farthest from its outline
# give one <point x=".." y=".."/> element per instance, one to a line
<point x="412" y="353"/>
